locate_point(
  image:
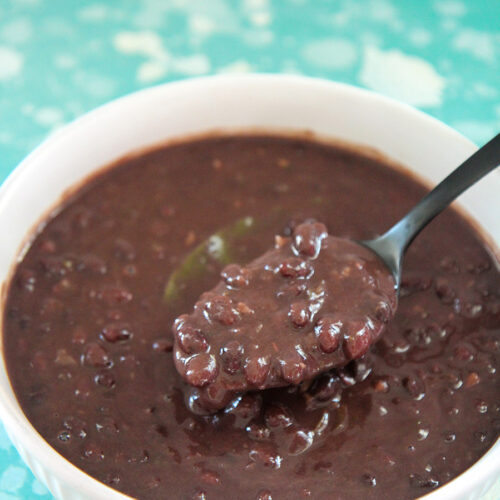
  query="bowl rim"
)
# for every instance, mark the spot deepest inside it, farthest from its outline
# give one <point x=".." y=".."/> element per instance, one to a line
<point x="13" y="417"/>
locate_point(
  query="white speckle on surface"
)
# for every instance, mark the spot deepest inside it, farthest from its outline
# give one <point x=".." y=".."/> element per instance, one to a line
<point x="155" y="13"/>
<point x="11" y="63"/>
<point x="160" y="61"/>
<point x="407" y="78"/>
<point x="12" y="478"/>
<point x="196" y="64"/>
<point x="258" y="12"/>
<point x="152" y="71"/>
<point x="479" y="44"/>
<point x="64" y="61"/>
<point x="380" y="11"/>
<point x="420" y="37"/>
<point x="451" y="8"/>
<point x="239" y="66"/>
<point x="152" y="13"/>
<point x="261" y="18"/>
<point x="146" y="43"/>
<point x="17" y="31"/>
<point x="385" y="12"/>
<point x="48" y="117"/>
<point x="330" y="53"/>
<point x="93" y="13"/>
<point x="255" y="4"/>
<point x="201" y="25"/>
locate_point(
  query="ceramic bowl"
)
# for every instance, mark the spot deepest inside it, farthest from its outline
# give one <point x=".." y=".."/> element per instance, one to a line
<point x="175" y="110"/>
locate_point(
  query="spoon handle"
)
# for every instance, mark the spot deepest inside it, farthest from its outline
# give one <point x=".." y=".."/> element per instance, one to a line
<point x="398" y="237"/>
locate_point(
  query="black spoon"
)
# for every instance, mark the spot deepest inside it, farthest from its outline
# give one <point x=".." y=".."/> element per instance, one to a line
<point x="391" y="246"/>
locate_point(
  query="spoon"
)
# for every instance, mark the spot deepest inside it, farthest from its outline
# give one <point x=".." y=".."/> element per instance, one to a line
<point x="311" y="303"/>
<point x="391" y="246"/>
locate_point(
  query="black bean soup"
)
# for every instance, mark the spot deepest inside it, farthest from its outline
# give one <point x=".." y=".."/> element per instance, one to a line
<point x="88" y="331"/>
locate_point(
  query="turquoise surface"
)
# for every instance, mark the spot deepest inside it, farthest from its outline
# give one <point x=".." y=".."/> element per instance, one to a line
<point x="60" y="58"/>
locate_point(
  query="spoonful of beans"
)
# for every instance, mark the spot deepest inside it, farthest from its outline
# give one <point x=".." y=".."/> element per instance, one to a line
<point x="311" y="303"/>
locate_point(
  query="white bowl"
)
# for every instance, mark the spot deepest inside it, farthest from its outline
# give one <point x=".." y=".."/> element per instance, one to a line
<point x="190" y="107"/>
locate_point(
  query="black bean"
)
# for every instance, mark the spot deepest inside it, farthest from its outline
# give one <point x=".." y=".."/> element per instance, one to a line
<point x="232" y="355"/>
<point x="96" y="355"/>
<point x="105" y="379"/>
<point x="256" y="370"/>
<point x="219" y="308"/>
<point x="294" y="267"/>
<point x="357" y="338"/>
<point x="327" y="330"/>
<point x="307" y="238"/>
<point x="369" y="480"/>
<point x="235" y="276"/>
<point x="201" y="369"/>
<point x="299" y="313"/>
<point x="191" y="340"/>
<point x="293" y="367"/>
<point x="116" y="332"/>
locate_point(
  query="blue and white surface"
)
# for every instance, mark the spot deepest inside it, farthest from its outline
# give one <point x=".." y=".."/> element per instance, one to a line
<point x="61" y="58"/>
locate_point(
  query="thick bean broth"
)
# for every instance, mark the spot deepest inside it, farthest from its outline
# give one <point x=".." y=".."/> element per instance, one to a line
<point x="88" y="333"/>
